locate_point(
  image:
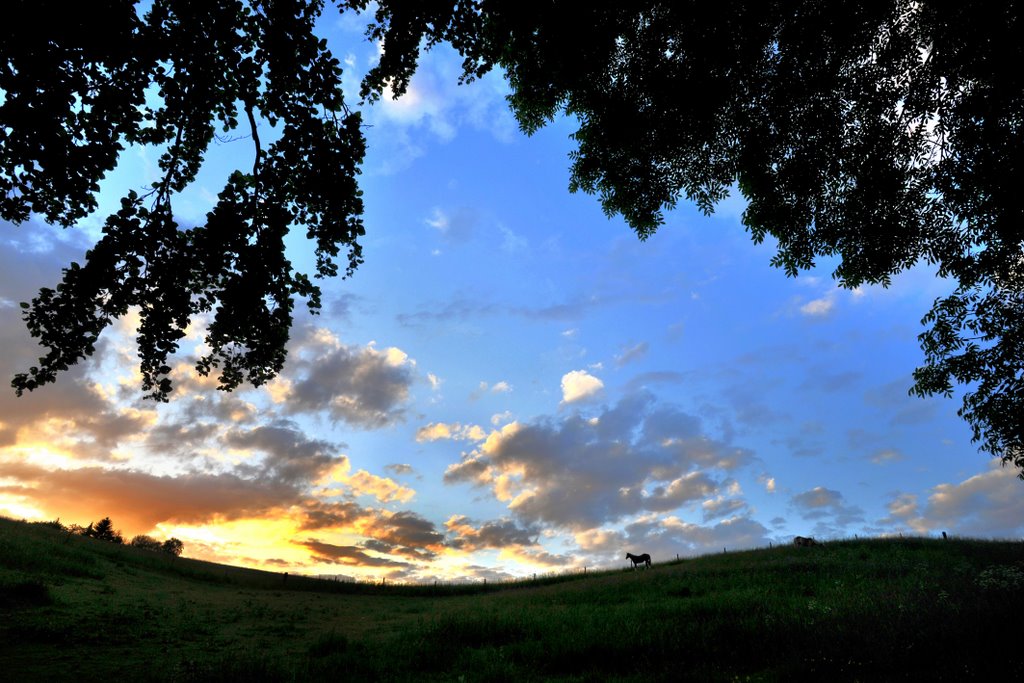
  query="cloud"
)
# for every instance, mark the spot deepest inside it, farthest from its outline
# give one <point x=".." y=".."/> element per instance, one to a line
<point x="402" y="533"/>
<point x="290" y="457"/>
<point x="631" y="353"/>
<point x="828" y="508"/>
<point x="665" y="537"/>
<point x="512" y="242"/>
<point x="886" y="456"/>
<point x="502" y="533"/>
<point x="580" y="385"/>
<point x="406" y="528"/>
<point x="903" y="511"/>
<point x="832" y="382"/>
<point x="894" y="400"/>
<point x="818" y="308"/>
<point x="722" y="507"/>
<point x="362" y="386"/>
<point x="139" y="501"/>
<point x="346" y="554"/>
<point x="580" y="472"/>
<point x="987" y="504"/>
<point x="319" y="514"/>
<point x="647" y="379"/>
<point x="500" y="387"/>
<point x="439" y="431"/>
<point x="453" y="309"/>
<point x="384" y="489"/>
<point x="454" y="227"/>
<point x="435" y="107"/>
<point x="464" y="308"/>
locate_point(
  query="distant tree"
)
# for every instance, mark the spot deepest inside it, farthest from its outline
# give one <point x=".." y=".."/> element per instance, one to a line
<point x="146" y="542"/>
<point x="103" y="531"/>
<point x="881" y="134"/>
<point x="173" y="546"/>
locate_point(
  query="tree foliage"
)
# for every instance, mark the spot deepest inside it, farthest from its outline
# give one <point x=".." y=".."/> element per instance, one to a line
<point x="173" y="546"/>
<point x="103" y="530"/>
<point x="145" y="542"/>
<point x="76" y="92"/>
<point x="880" y="133"/>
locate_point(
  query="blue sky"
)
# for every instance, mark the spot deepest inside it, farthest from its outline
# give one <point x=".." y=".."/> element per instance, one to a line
<point x="510" y="384"/>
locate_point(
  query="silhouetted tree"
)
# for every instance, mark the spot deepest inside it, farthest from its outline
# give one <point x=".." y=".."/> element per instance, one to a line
<point x="173" y="546"/>
<point x="881" y="134"/>
<point x="146" y="542"/>
<point x="103" y="530"/>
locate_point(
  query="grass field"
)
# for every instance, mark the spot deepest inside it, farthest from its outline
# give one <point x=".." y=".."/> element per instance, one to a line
<point x="77" y="609"/>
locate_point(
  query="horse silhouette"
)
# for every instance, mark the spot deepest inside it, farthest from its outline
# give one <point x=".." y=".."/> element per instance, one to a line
<point x="637" y="559"/>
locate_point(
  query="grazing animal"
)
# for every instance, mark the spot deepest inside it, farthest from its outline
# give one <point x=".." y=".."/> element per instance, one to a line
<point x="637" y="559"/>
<point x="804" y="542"/>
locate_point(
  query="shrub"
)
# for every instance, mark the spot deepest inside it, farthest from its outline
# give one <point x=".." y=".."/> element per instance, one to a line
<point x="146" y="542"/>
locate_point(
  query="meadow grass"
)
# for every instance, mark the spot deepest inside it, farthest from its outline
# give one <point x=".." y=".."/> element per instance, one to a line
<point x="859" y="610"/>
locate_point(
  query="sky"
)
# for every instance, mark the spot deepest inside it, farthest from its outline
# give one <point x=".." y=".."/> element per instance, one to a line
<point x="511" y="384"/>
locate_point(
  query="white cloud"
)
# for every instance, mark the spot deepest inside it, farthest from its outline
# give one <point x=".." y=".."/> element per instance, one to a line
<point x="579" y="385"/>
<point x="438" y="220"/>
<point x="498" y="418"/>
<point x="818" y="307"/>
<point x="500" y="387"/>
<point x="988" y="504"/>
<point x="435" y="103"/>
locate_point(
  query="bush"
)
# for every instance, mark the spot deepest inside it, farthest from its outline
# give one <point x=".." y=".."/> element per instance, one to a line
<point x="146" y="542"/>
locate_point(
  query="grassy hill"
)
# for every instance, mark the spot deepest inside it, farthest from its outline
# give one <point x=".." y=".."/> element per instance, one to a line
<point x="77" y="609"/>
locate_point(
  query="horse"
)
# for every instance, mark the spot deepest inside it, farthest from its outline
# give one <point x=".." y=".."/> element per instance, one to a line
<point x="637" y="559"/>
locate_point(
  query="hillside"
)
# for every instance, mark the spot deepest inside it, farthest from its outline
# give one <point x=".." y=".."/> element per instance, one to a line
<point x="77" y="609"/>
